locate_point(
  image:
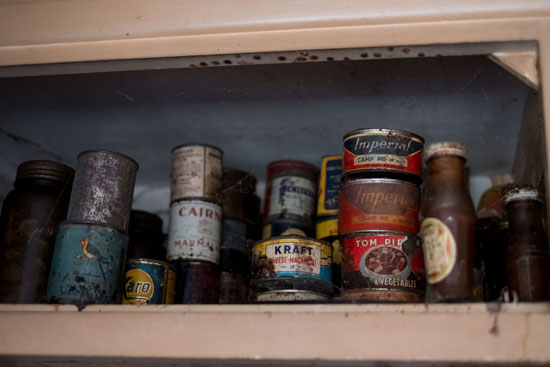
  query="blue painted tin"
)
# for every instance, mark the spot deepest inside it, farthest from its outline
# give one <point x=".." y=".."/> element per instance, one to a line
<point x="87" y="265"/>
<point x="329" y="186"/>
<point x="149" y="282"/>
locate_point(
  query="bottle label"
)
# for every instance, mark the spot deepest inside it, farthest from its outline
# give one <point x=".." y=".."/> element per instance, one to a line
<point x="439" y="249"/>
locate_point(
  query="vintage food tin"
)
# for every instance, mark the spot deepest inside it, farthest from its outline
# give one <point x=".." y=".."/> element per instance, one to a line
<point x="329" y="186"/>
<point x="233" y="288"/>
<point x="31" y="214"/>
<point x="146" y="237"/>
<point x="87" y="265"/>
<point x="292" y="197"/>
<point x="292" y="256"/>
<point x="103" y="189"/>
<point x="382" y="266"/>
<point x="235" y="235"/>
<point x="149" y="282"/>
<point x="289" y="168"/>
<point x="327" y="230"/>
<point x="239" y="199"/>
<point x="195" y="231"/>
<point x="197" y="282"/>
<point x="383" y="150"/>
<point x="196" y="172"/>
<point x="290" y="295"/>
<point x="283" y="227"/>
<point x="378" y="204"/>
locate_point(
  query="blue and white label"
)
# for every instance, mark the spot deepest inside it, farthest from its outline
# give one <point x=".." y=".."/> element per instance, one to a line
<point x="292" y="195"/>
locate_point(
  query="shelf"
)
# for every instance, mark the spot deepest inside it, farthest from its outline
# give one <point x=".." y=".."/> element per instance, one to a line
<point x="267" y="335"/>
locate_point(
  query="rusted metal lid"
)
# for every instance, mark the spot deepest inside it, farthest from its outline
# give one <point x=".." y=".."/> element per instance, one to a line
<point x="445" y="148"/>
<point x="387" y="132"/>
<point x="521" y="194"/>
<point x="45" y="169"/>
<point x="238" y="180"/>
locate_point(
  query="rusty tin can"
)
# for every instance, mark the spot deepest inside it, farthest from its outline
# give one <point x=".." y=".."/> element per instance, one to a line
<point x="149" y="282"/>
<point x="383" y="266"/>
<point x="196" y="172"/>
<point x="327" y="230"/>
<point x="288" y="167"/>
<point x="87" y="265"/>
<point x="378" y="204"/>
<point x="292" y="259"/>
<point x="103" y="189"/>
<point x="195" y="231"/>
<point x="239" y="199"/>
<point x="197" y="282"/>
<point x="283" y="227"/>
<point x="329" y="186"/>
<point x="290" y="295"/>
<point x="383" y="150"/>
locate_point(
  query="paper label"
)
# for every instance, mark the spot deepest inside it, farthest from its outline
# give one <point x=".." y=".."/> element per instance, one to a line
<point x="439" y="249"/>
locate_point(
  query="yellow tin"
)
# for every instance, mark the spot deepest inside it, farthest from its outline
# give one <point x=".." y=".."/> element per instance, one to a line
<point x="329" y="184"/>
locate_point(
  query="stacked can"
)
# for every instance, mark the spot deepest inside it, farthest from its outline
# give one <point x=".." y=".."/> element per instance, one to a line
<point x="326" y="228"/>
<point x="147" y="279"/>
<point x="90" y="249"/>
<point x="194" y="236"/>
<point x="287" y="265"/>
<point x="240" y="227"/>
<point x="290" y="196"/>
<point x="379" y="201"/>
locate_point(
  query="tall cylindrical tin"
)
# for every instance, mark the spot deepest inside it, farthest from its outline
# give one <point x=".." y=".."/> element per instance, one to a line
<point x="195" y="231"/>
<point x="283" y="227"/>
<point x="382" y="266"/>
<point x="327" y="230"/>
<point x="103" y="190"/>
<point x="234" y="262"/>
<point x="87" y="265"/>
<point x="329" y="186"/>
<point x="197" y="282"/>
<point x="291" y="168"/>
<point x="292" y="259"/>
<point x="239" y="199"/>
<point x="31" y="214"/>
<point x="196" y="172"/>
<point x="378" y="204"/>
<point x="149" y="281"/>
<point x="384" y="151"/>
<point x="146" y="238"/>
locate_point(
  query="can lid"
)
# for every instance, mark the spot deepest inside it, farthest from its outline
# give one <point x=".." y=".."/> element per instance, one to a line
<point x="203" y="145"/>
<point x="45" y="169"/>
<point x="238" y="180"/>
<point x="108" y="153"/>
<point x="521" y="194"/>
<point x="292" y="165"/>
<point x="383" y="131"/>
<point x="445" y="148"/>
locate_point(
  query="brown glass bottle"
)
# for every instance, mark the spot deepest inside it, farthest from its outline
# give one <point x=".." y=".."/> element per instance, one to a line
<point x="31" y="214"/>
<point x="197" y="282"/>
<point x="146" y="238"/>
<point x="527" y="257"/>
<point x="448" y="225"/>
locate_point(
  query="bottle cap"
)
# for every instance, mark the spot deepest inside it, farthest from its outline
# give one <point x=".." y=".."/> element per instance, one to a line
<point x="521" y="194"/>
<point x="45" y="169"/>
<point x="444" y="148"/>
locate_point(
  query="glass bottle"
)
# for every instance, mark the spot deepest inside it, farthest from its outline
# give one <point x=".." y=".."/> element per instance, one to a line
<point x="448" y="225"/>
<point x="527" y="257"/>
<point x="30" y="217"/>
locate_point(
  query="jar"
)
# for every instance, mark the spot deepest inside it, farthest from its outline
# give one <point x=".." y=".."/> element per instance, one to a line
<point x="448" y="225"/>
<point x="30" y="217"/>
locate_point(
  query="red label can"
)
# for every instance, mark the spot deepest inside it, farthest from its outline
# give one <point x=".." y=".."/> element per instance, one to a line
<point x="378" y="204"/>
<point x="368" y="150"/>
<point x="383" y="266"/>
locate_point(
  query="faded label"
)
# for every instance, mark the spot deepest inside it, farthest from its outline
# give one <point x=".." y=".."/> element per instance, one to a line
<point x="195" y="231"/>
<point x="196" y="172"/>
<point x="439" y="249"/>
<point x="292" y="195"/>
<point x="295" y="258"/>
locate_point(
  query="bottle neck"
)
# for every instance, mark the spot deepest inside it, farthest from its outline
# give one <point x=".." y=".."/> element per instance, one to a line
<point x="447" y="168"/>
